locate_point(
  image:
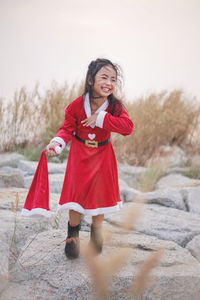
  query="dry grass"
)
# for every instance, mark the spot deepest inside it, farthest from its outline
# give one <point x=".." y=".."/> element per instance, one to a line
<point x="160" y="119"/>
<point x="141" y="280"/>
<point x="14" y="208"/>
<point x="32" y="119"/>
<point x="102" y="269"/>
<point x="150" y="177"/>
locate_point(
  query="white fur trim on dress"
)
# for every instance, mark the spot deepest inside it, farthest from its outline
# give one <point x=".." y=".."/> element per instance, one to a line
<point x="36" y="212"/>
<point x="60" y="141"/>
<point x="100" y="119"/>
<point x="91" y="212"/>
<point x="88" y="108"/>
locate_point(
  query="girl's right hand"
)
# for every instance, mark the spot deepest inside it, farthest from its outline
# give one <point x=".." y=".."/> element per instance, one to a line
<point x="50" y="148"/>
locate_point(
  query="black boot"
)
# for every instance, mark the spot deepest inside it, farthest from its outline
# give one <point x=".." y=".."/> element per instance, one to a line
<point x="96" y="238"/>
<point x="72" y="247"/>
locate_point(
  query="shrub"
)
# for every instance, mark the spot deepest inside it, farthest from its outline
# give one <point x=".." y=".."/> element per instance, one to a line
<point x="159" y="119"/>
<point x="31" y="120"/>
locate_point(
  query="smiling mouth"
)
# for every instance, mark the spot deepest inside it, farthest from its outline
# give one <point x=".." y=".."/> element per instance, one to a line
<point x="106" y="90"/>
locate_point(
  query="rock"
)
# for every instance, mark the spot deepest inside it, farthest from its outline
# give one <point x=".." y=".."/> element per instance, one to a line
<point x="130" y="174"/>
<point x="170" y="155"/>
<point x="4" y="263"/>
<point x="9" y="196"/>
<point x="127" y="193"/>
<point x="194" y="247"/>
<point x="161" y="222"/>
<point x="177" y="170"/>
<point x="7" y="169"/>
<point x="12" y="178"/>
<point x="46" y="269"/>
<point x="10" y="159"/>
<point x="168" y="282"/>
<point x="195" y="161"/>
<point x="29" y="167"/>
<point x="39" y="269"/>
<point x="176" y="180"/>
<point x="167" y="197"/>
<point x="55" y="182"/>
<point x="193" y="199"/>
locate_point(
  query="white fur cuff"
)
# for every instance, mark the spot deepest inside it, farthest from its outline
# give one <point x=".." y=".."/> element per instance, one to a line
<point x="60" y="141"/>
<point x="100" y="119"/>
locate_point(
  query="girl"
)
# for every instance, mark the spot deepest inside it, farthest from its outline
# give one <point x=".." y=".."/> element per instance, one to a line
<point x="91" y="179"/>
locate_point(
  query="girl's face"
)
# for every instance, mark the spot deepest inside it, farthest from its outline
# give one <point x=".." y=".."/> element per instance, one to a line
<point x="105" y="82"/>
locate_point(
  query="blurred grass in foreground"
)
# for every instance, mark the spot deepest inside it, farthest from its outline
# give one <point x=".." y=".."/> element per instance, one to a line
<point x="30" y="120"/>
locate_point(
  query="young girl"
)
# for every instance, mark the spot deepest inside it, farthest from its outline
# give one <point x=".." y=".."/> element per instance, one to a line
<point x="91" y="180"/>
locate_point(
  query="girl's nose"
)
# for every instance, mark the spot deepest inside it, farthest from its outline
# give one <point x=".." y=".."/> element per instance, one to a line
<point x="108" y="82"/>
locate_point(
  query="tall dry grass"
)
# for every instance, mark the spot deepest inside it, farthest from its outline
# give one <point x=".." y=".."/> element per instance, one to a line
<point x="32" y="119"/>
<point x="160" y="119"/>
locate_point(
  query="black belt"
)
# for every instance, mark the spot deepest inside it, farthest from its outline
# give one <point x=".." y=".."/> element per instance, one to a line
<point x="90" y="143"/>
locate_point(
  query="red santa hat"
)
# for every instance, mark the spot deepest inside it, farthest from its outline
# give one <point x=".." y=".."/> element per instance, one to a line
<point x="37" y="200"/>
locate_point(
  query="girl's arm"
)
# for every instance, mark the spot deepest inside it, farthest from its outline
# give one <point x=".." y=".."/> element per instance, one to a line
<point x="121" y="124"/>
<point x="65" y="132"/>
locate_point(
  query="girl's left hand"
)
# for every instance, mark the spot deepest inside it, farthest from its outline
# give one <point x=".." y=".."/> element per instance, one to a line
<point x="89" y="121"/>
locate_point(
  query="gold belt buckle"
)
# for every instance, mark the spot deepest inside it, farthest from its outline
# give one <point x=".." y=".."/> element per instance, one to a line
<point x="92" y="144"/>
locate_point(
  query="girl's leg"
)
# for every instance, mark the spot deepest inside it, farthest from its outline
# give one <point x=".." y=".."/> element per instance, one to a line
<point x="74" y="218"/>
<point x="97" y="220"/>
<point x="96" y="237"/>
<point x="72" y="247"/>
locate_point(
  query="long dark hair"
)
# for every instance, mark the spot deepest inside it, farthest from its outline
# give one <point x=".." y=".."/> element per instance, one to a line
<point x="93" y="68"/>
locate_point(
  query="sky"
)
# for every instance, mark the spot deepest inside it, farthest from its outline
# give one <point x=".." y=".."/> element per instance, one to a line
<point x="156" y="42"/>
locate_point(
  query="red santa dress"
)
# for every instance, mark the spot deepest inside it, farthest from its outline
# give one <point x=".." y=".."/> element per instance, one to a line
<point x="91" y="179"/>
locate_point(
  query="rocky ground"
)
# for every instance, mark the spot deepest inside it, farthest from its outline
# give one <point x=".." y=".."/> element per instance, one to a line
<point x="33" y="264"/>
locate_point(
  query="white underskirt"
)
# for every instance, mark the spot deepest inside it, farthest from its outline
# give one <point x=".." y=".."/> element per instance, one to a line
<point x="41" y="212"/>
<point x="91" y="212"/>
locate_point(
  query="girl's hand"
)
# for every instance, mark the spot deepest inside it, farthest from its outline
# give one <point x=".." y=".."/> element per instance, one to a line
<point x="89" y="121"/>
<point x="50" y="147"/>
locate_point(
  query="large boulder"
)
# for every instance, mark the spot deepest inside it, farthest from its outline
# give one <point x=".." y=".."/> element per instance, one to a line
<point x="162" y="222"/>
<point x="45" y="267"/>
<point x="127" y="193"/>
<point x="176" y="180"/>
<point x="194" y="247"/>
<point x="29" y="167"/>
<point x="195" y="161"/>
<point x="193" y="199"/>
<point x="130" y="174"/>
<point x="169" y="281"/>
<point x="10" y="159"/>
<point x="38" y="266"/>
<point x="11" y="178"/>
<point x="4" y="265"/>
<point x="167" y="197"/>
<point x="55" y="182"/>
<point x="170" y="155"/>
<point x="177" y="170"/>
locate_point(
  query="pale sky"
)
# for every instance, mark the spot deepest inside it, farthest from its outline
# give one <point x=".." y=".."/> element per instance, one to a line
<point x="156" y="42"/>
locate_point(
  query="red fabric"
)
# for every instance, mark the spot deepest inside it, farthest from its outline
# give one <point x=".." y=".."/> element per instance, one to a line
<point x="91" y="178"/>
<point x="122" y="124"/>
<point x="38" y="195"/>
<point x="75" y="113"/>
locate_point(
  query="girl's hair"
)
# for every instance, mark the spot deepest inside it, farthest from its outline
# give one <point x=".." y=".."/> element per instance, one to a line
<point x="93" y="68"/>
